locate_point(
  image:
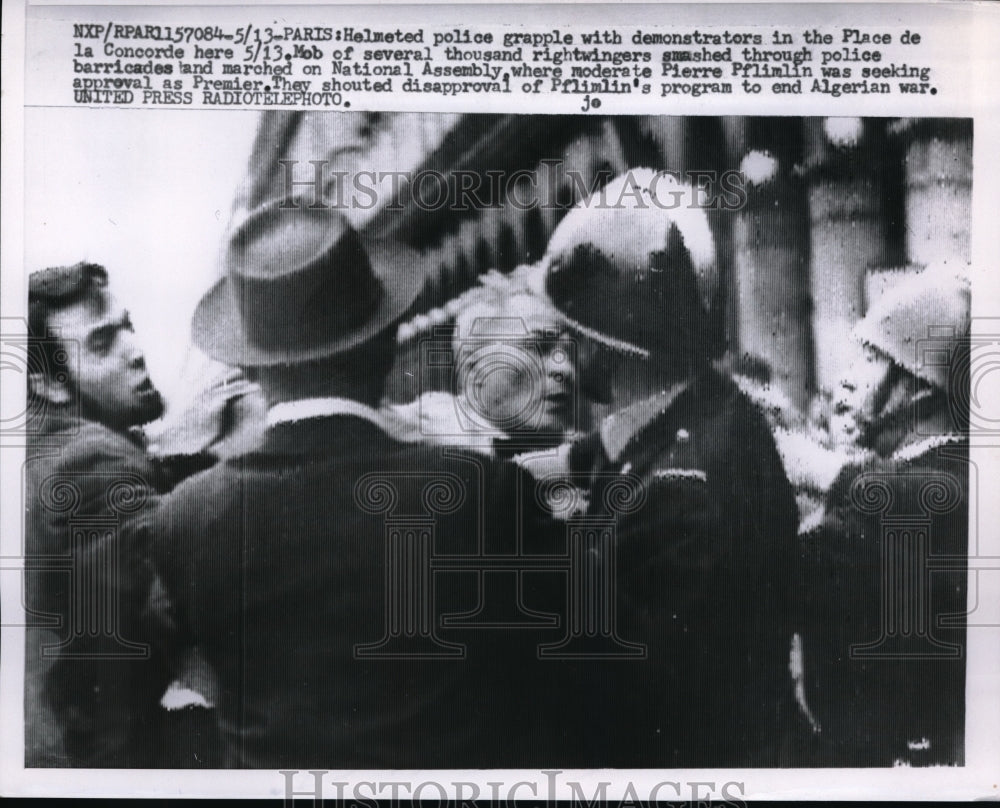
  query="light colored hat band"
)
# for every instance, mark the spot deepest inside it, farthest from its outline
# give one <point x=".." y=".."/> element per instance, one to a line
<point x="623" y="346"/>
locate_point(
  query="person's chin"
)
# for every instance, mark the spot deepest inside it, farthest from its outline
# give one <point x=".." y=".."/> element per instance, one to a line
<point x="557" y="416"/>
<point x="151" y="407"/>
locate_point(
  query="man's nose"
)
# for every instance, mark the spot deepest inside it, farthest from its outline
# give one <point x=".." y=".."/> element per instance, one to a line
<point x="134" y="356"/>
<point x="558" y="366"/>
<point x="849" y="394"/>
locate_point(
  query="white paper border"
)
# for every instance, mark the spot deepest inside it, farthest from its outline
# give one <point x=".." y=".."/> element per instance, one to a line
<point x="976" y="780"/>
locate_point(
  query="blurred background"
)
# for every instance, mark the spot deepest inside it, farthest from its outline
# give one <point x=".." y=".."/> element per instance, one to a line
<point x="835" y="211"/>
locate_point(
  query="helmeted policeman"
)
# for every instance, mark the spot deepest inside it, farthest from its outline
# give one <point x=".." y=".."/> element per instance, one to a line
<point x="887" y="628"/>
<point x="707" y="555"/>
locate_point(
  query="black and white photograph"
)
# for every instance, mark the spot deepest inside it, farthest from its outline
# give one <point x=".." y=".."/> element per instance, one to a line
<point x="615" y="414"/>
<point x="374" y="440"/>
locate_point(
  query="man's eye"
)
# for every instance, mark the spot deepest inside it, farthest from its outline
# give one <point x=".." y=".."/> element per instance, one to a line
<point x="100" y="343"/>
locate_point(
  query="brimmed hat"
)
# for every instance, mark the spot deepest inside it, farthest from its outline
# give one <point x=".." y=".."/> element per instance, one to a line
<point x="301" y="285"/>
<point x="633" y="266"/>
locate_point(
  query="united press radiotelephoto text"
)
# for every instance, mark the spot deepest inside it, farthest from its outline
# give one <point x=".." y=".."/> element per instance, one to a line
<point x="152" y="65"/>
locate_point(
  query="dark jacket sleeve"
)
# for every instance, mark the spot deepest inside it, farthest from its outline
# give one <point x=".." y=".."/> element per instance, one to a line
<point x="88" y="507"/>
<point x="196" y="554"/>
<point x="868" y="645"/>
<point x="112" y="479"/>
<point x="770" y="519"/>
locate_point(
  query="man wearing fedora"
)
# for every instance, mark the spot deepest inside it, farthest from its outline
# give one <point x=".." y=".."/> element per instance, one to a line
<point x="289" y="562"/>
<point x="706" y="557"/>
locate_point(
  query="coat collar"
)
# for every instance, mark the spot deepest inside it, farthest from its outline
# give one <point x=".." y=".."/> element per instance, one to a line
<point x="925" y="416"/>
<point x="323" y="431"/>
<point x="305" y="408"/>
<point x="619" y="428"/>
<point x="66" y="422"/>
<point x="911" y="450"/>
<point x="51" y="420"/>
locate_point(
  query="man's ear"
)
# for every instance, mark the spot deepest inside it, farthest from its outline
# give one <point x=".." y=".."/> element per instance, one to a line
<point x="42" y="386"/>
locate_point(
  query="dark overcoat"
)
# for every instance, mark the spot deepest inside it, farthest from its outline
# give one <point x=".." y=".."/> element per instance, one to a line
<point x="301" y="568"/>
<point x="887" y="586"/>
<point x="89" y="491"/>
<point x="706" y="582"/>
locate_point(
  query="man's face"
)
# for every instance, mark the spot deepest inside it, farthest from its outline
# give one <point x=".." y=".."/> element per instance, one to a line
<point x="525" y="384"/>
<point x="863" y="395"/>
<point x="110" y="376"/>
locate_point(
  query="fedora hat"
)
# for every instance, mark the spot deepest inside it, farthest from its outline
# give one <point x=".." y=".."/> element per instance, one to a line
<point x="301" y="284"/>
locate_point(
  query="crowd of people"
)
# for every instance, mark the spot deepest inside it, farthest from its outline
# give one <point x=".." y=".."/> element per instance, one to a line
<point x="632" y="554"/>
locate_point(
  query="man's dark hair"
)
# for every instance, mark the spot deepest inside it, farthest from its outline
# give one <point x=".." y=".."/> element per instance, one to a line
<point x="50" y="290"/>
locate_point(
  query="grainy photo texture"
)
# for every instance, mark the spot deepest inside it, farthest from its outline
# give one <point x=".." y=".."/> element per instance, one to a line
<point x="503" y="441"/>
